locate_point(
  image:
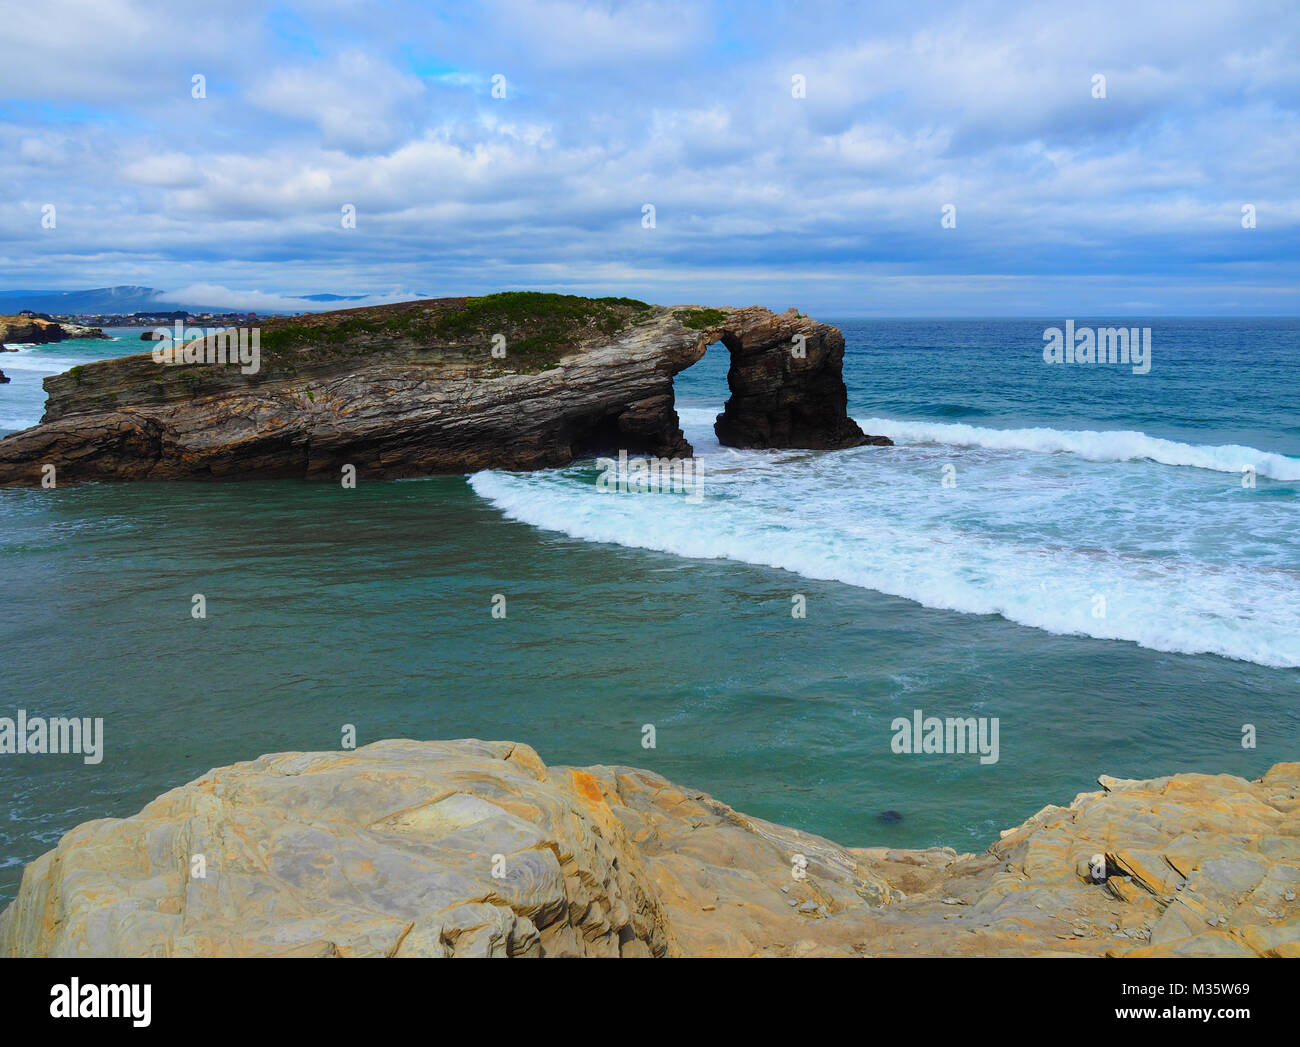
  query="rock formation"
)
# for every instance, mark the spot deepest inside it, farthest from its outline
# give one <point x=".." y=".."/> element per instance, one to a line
<point x="474" y="848"/>
<point x="34" y="330"/>
<point x="415" y="389"/>
<point x="779" y="399"/>
<point x="4" y="378"/>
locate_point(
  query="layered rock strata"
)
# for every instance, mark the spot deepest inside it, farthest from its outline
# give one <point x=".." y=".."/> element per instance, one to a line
<point x="417" y="388"/>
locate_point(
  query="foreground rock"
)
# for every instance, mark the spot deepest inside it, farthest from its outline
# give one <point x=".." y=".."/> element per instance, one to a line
<point x="415" y="389"/>
<point x="475" y="848"/>
<point x="34" y="330"/>
<point x="4" y="379"/>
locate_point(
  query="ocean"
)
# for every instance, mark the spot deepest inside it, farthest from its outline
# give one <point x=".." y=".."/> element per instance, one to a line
<point x="1073" y="550"/>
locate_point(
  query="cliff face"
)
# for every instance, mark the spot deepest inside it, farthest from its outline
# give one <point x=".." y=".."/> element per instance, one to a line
<point x="415" y="389"/>
<point x="24" y="330"/>
<point x="475" y="848"/>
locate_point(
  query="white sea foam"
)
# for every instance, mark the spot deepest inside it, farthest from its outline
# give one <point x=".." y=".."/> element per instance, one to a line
<point x="1017" y="538"/>
<point x="1096" y="446"/>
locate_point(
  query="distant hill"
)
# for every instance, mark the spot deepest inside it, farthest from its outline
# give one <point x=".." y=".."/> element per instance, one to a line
<point x="123" y="299"/>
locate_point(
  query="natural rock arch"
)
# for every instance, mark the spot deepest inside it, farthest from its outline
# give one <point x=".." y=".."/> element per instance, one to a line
<point x="785" y="377"/>
<point x="385" y="391"/>
<point x="786" y="382"/>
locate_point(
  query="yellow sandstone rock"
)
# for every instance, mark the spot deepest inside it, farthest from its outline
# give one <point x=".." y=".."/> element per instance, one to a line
<point x="473" y="848"/>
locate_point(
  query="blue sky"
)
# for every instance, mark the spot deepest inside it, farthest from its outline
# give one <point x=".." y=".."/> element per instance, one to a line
<point x="1065" y="203"/>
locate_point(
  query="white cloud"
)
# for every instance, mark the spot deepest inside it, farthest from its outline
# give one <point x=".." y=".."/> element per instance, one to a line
<point x="573" y="33"/>
<point x="219" y="297"/>
<point x="615" y="105"/>
<point x="358" y="102"/>
<point x="172" y="170"/>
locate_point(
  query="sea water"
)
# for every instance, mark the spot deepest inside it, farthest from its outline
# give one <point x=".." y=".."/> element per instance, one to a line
<point x="1073" y="551"/>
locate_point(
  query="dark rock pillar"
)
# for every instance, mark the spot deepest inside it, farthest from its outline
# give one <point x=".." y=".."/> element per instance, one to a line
<point x="787" y="389"/>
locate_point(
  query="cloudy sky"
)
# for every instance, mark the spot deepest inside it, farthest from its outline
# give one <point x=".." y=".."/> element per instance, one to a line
<point x="1065" y="203"/>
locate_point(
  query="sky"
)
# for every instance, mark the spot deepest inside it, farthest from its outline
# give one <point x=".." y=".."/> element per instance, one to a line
<point x="798" y="154"/>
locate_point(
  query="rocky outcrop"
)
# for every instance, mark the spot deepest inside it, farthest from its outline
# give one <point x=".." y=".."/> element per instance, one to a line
<point x="514" y="381"/>
<point x="4" y="378"/>
<point x="786" y="384"/>
<point x="475" y="848"/>
<point x="33" y="330"/>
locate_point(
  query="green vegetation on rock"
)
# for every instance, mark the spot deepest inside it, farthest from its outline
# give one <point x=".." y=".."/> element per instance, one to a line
<point x="538" y="329"/>
<point x="700" y="319"/>
<point x="326" y="336"/>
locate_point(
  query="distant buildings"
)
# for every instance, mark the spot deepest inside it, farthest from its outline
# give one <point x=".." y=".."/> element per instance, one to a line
<point x="151" y="319"/>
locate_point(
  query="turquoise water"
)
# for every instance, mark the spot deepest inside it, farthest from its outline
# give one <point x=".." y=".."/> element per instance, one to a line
<point x="372" y="607"/>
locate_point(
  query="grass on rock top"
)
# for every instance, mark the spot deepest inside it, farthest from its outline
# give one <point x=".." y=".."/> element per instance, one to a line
<point x="538" y="328"/>
<point x="700" y="319"/>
